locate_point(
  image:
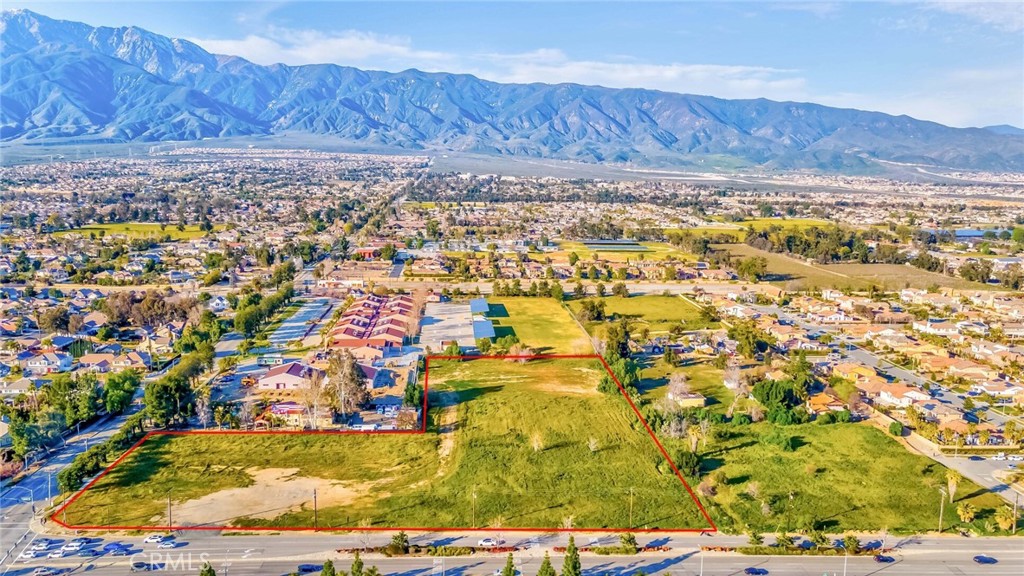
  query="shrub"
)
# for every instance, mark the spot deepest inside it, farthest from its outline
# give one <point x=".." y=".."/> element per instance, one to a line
<point x="896" y="429"/>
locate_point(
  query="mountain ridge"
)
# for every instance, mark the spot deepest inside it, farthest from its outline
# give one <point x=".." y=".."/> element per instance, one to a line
<point x="67" y="79"/>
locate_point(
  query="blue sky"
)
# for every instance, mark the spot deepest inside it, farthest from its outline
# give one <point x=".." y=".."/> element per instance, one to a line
<point x="959" y="63"/>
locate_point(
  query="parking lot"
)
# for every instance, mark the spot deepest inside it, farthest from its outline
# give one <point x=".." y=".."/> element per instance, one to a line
<point x="305" y="321"/>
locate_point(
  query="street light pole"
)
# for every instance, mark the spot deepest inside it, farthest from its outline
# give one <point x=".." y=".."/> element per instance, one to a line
<point x="315" y="513"/>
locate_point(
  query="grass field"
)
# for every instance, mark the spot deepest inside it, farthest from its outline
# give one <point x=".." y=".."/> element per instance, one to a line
<point x="897" y="277"/>
<point x="517" y="436"/>
<point x="138" y="230"/>
<point x="655" y="251"/>
<point x="756" y="224"/>
<point x="842" y="476"/>
<point x="790" y="273"/>
<point x="656" y="313"/>
<point x="541" y="323"/>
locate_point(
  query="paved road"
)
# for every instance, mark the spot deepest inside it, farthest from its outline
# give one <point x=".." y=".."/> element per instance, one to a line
<point x="274" y="555"/>
<point x="19" y="503"/>
<point x="298" y="325"/>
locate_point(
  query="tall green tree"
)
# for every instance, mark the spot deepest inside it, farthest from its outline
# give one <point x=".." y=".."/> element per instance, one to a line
<point x="328" y="569"/>
<point x="545" y="567"/>
<point x="357" y="566"/>
<point x="207" y="570"/>
<point x="510" y="567"/>
<point x="571" y="563"/>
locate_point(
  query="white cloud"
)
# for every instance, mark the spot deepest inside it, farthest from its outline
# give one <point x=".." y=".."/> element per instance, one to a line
<point x="349" y="47"/>
<point x="394" y="53"/>
<point x="1007" y="16"/>
<point x="960" y="98"/>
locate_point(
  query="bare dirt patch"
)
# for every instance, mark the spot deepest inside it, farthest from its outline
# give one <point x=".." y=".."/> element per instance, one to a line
<point x="273" y="492"/>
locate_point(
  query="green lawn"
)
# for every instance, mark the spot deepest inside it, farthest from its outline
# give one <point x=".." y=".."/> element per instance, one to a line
<point x="518" y="436"/>
<point x="540" y="323"/>
<point x="139" y="230"/>
<point x="656" y="313"/>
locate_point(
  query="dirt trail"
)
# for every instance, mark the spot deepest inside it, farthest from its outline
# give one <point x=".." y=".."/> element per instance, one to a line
<point x="273" y="493"/>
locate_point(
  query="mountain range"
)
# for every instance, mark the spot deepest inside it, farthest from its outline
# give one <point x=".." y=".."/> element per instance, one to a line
<point x="68" y="81"/>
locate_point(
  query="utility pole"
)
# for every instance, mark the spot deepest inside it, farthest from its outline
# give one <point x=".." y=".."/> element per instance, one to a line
<point x="1016" y="496"/>
<point x="630" y="507"/>
<point x="315" y="513"/>
<point x="942" y="505"/>
<point x="170" y="520"/>
<point x="474" y="506"/>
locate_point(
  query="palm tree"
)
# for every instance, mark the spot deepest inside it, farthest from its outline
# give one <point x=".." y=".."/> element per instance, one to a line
<point x="966" y="512"/>
<point x="953" y="479"/>
<point x="1005" y="517"/>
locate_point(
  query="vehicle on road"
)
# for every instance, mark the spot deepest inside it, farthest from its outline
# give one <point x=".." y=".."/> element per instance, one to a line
<point x="153" y="539"/>
<point x="1015" y="458"/>
<point x="883" y="559"/>
<point x="141" y="567"/>
<point x="983" y="559"/>
<point x="755" y="571"/>
<point x="168" y="544"/>
<point x="44" y="571"/>
<point x="121" y="552"/>
<point x="976" y="458"/>
<point x="110" y="547"/>
<point x="999" y="457"/>
<point x="307" y="568"/>
<point x="489" y="542"/>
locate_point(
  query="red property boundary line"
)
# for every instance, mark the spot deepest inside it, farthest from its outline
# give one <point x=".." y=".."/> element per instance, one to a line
<point x="56" y="516"/>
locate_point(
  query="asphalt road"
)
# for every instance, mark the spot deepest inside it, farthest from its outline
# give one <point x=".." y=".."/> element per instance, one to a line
<point x="282" y="554"/>
<point x="298" y="325"/>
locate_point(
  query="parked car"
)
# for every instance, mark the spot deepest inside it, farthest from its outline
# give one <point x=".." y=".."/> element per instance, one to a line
<point x="489" y="542"/>
<point x="40" y="546"/>
<point x="57" y="554"/>
<point x="1015" y="458"/>
<point x="29" y="555"/>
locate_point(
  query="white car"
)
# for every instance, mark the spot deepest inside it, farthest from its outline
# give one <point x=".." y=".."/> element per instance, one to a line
<point x="28" y="555"/>
<point x="56" y="554"/>
<point x="153" y="539"/>
<point x="167" y="544"/>
<point x="1016" y="458"/>
<point x="44" y="571"/>
<point x="40" y="546"/>
<point x="489" y="542"/>
<point x="71" y="547"/>
<point x="999" y="457"/>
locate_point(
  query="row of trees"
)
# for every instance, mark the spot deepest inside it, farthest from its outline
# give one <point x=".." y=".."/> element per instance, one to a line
<point x="38" y="421"/>
<point x="254" y="312"/>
